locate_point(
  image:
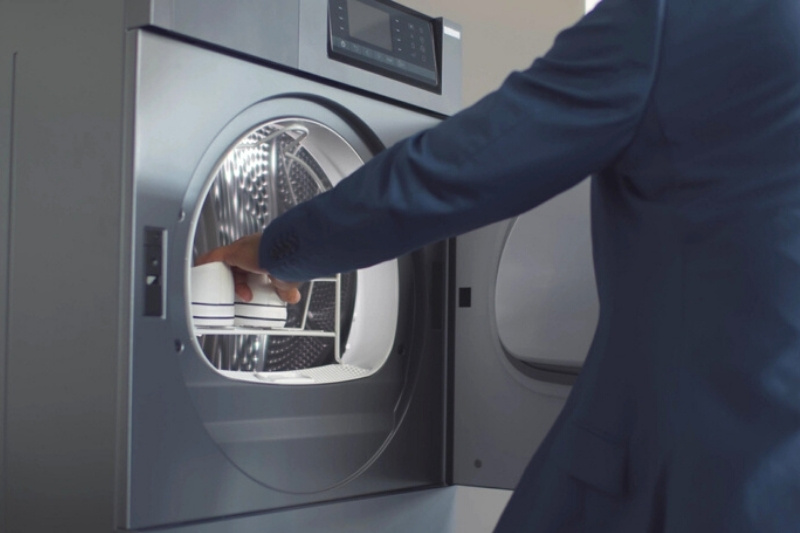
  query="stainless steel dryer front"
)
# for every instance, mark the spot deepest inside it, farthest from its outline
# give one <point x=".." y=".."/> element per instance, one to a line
<point x="316" y="410"/>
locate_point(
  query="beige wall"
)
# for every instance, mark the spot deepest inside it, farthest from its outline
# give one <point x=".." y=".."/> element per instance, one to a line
<point x="501" y="35"/>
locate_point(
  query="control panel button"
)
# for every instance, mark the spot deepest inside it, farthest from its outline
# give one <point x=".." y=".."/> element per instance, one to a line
<point x="410" y="37"/>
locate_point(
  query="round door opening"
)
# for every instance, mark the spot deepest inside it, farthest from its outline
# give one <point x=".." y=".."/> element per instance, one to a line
<point x="322" y="339"/>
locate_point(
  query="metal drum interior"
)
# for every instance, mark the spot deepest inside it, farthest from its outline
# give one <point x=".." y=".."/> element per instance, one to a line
<point x="270" y="169"/>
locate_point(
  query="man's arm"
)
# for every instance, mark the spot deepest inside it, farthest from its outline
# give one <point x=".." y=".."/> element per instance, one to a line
<point x="570" y="114"/>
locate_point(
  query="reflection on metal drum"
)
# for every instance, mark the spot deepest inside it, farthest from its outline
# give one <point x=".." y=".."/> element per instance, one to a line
<point x="266" y="173"/>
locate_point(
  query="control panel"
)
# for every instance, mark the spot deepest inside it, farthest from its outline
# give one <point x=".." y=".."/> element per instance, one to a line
<point x="385" y="38"/>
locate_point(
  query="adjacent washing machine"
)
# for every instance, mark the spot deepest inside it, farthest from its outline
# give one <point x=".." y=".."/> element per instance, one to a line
<point x="211" y="119"/>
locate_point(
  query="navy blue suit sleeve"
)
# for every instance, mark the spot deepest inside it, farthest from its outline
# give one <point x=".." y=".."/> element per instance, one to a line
<point x="544" y="130"/>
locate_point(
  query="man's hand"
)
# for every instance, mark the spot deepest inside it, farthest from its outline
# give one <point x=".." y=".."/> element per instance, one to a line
<point x="242" y="257"/>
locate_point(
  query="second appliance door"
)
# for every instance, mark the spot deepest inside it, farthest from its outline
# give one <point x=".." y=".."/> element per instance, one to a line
<point x="525" y="316"/>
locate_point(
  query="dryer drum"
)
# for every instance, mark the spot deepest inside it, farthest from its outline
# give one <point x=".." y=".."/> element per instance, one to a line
<point x="276" y="166"/>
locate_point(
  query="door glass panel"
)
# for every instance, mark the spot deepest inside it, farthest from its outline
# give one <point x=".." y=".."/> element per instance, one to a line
<point x="546" y="300"/>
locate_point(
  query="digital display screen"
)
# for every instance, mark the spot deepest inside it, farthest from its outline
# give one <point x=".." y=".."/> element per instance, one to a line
<point x="369" y="24"/>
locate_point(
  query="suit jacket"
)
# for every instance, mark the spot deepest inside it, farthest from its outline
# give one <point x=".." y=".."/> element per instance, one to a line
<point x="686" y="417"/>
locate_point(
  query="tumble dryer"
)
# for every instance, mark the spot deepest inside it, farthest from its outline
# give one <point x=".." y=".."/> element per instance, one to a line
<point x="145" y="132"/>
<point x="334" y="403"/>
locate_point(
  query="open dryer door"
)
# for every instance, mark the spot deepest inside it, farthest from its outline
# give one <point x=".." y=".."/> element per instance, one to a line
<point x="525" y="319"/>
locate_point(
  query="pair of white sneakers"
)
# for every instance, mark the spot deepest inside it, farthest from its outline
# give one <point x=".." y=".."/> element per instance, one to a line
<point x="215" y="304"/>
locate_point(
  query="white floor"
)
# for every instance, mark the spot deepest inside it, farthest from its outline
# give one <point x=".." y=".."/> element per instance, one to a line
<point x="477" y="510"/>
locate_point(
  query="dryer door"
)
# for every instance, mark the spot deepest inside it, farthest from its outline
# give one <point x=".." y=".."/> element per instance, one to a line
<point x="525" y="319"/>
